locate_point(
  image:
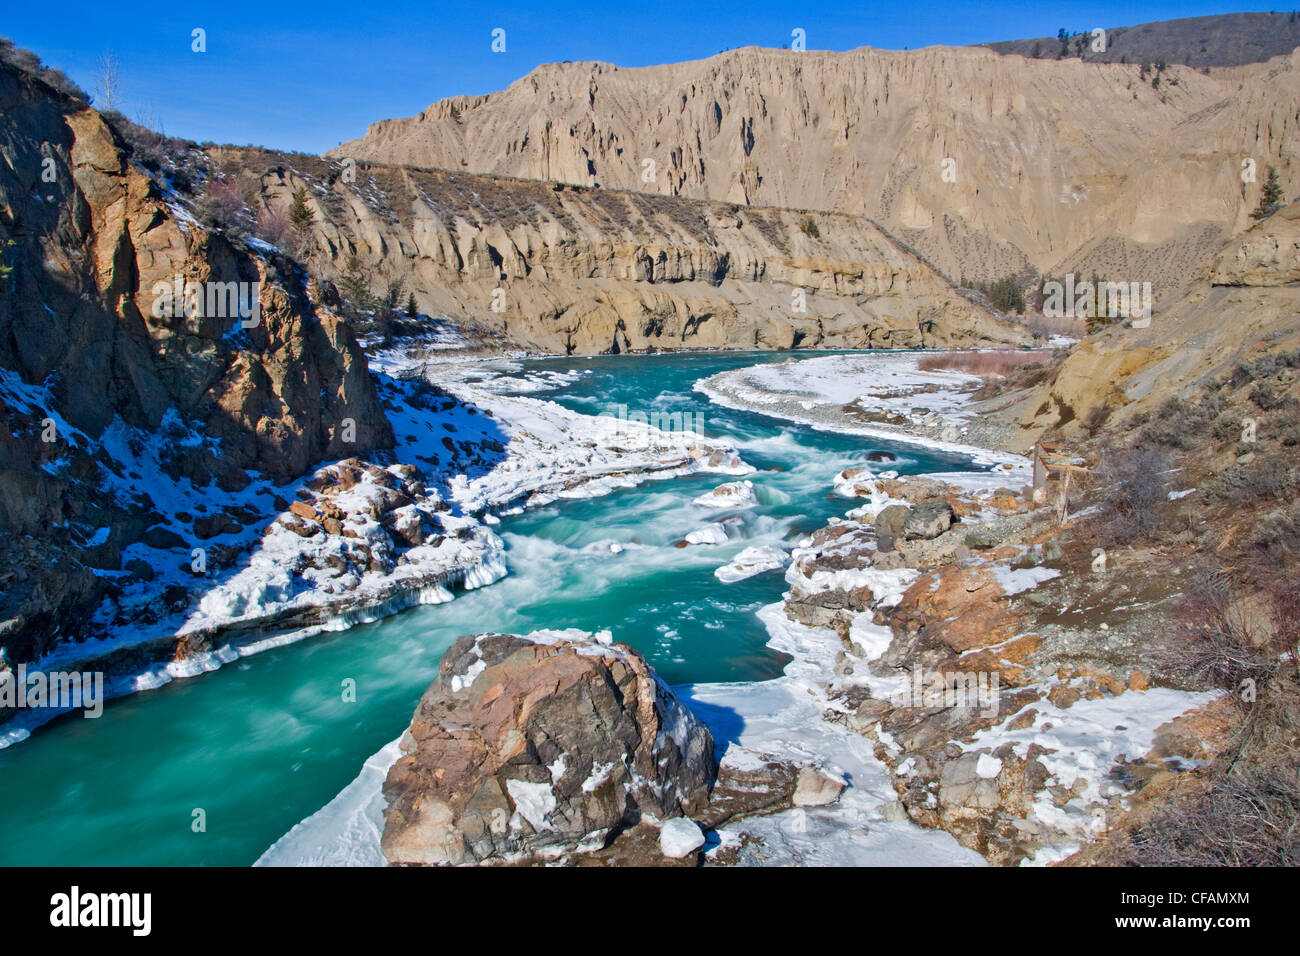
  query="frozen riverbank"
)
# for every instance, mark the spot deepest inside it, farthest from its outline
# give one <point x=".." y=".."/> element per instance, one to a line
<point x="876" y="394"/>
<point x="358" y="540"/>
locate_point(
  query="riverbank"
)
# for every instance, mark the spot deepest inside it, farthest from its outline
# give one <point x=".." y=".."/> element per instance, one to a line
<point x="1001" y="685"/>
<point x="797" y="717"/>
<point x="357" y="540"/>
<point x="878" y="395"/>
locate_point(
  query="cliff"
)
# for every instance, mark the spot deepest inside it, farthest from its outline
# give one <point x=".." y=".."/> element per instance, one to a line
<point x="93" y="371"/>
<point x="591" y="271"/>
<point x="1055" y="164"/>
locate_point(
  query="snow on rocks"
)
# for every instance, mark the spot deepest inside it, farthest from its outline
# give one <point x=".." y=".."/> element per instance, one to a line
<point x="679" y="837"/>
<point x="231" y="573"/>
<point x="709" y="534"/>
<point x="1015" y="580"/>
<point x="733" y="494"/>
<point x="751" y="561"/>
<point x="880" y="395"/>
<point x="506" y="450"/>
<point x="511" y="752"/>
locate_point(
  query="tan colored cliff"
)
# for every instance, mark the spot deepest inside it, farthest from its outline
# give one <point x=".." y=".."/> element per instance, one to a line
<point x="1057" y="164"/>
<point x="1247" y="300"/>
<point x="591" y="271"/>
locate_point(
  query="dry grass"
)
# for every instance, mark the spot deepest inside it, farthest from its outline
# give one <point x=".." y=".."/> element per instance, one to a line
<point x="993" y="362"/>
<point x="1248" y="820"/>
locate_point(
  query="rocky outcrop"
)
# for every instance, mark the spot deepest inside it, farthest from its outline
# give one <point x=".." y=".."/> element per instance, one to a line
<point x="1246" y="301"/>
<point x="574" y="270"/>
<point x="525" y="747"/>
<point x="94" y="371"/>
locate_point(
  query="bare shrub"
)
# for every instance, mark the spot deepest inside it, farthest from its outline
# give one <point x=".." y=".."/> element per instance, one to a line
<point x="273" y="226"/>
<point x="1266" y="395"/>
<point x="991" y="362"/>
<point x="1048" y="325"/>
<point x="1182" y="424"/>
<point x="1270" y="476"/>
<point x="1222" y="641"/>
<point x="223" y="207"/>
<point x="1250" y="819"/>
<point x="1134" y="484"/>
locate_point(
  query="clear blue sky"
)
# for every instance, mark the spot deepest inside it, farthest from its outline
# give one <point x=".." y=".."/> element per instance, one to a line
<point x="307" y="75"/>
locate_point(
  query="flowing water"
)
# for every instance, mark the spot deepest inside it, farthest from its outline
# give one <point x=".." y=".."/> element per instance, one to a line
<point x="267" y="740"/>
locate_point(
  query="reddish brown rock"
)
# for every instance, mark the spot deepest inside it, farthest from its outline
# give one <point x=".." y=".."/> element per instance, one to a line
<point x="520" y="749"/>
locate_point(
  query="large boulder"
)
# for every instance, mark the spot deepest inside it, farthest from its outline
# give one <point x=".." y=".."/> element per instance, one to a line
<point x="891" y="519"/>
<point x="928" y="520"/>
<point x="527" y="747"/>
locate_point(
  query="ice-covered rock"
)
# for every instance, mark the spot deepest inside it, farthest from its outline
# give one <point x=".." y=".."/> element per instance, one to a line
<point x="541" y="745"/>
<point x="816" y="788"/>
<point x="750" y="562"/>
<point x="709" y="534"/>
<point x="733" y="494"/>
<point x="680" y="836"/>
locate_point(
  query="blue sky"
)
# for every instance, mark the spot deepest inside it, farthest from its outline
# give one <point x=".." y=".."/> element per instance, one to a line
<point x="307" y="75"/>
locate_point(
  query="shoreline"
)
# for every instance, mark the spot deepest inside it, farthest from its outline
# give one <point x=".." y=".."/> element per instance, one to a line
<point x="974" y="437"/>
<point x="345" y="831"/>
<point x="206" y="637"/>
<point x="1033" y="786"/>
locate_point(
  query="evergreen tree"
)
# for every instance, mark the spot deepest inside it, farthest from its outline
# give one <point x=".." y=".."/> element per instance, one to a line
<point x="355" y="287"/>
<point x="300" y="215"/>
<point x="1271" y="196"/>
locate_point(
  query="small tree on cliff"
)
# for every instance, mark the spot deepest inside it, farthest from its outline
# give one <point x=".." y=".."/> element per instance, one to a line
<point x="1270" y="198"/>
<point x="300" y="216"/>
<point x="354" y="286"/>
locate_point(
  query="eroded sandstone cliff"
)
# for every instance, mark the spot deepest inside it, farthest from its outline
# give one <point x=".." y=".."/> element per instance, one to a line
<point x="988" y="164"/>
<point x="92" y="371"/>
<point x="586" y="271"/>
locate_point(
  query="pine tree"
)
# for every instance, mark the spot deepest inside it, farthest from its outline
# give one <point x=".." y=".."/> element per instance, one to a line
<point x="355" y="287"/>
<point x="300" y="215"/>
<point x="411" y="309"/>
<point x="1270" y="197"/>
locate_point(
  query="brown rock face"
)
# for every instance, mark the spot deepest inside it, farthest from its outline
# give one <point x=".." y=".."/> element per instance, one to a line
<point x="522" y="749"/>
<point x="93" y="240"/>
<point x="1247" y="299"/>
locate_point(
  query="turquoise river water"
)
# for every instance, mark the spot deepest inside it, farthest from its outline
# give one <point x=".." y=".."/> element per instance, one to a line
<point x="264" y="742"/>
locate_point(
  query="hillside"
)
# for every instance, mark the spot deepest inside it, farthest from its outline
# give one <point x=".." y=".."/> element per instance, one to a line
<point x="1056" y="164"/>
<point x="1229" y="39"/>
<point x="123" y="422"/>
<point x="592" y="271"/>
<point x="1245" y="305"/>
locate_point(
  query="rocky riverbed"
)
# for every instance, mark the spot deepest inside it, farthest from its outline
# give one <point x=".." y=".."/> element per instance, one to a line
<point x="1001" y="675"/>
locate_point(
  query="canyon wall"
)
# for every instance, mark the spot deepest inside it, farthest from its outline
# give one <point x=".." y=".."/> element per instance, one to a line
<point x="576" y="270"/>
<point x="89" y="374"/>
<point x="987" y="164"/>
